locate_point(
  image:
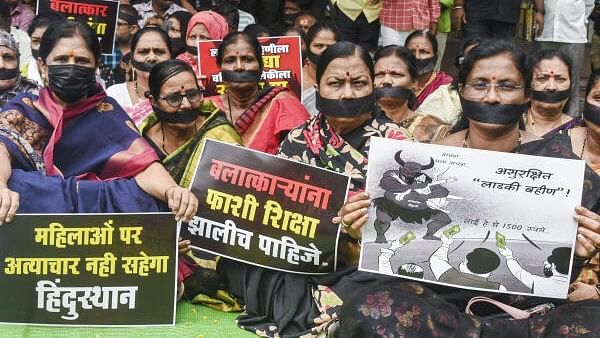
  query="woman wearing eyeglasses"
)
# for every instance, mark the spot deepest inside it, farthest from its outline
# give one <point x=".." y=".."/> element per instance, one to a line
<point x="493" y="88"/>
<point x="181" y="119"/>
<point x="180" y="122"/>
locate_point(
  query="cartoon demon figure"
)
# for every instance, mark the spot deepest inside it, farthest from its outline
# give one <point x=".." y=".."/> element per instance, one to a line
<point x="412" y="196"/>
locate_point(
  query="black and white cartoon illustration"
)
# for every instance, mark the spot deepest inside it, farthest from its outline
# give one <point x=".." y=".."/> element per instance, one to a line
<point x="412" y="196"/>
<point x="407" y="269"/>
<point x="474" y="271"/>
<point x="556" y="270"/>
<point x="469" y="218"/>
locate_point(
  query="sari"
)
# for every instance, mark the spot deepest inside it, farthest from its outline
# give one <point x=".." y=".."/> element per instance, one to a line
<point x="79" y="158"/>
<point x="193" y="62"/>
<point x="23" y="85"/>
<point x="562" y="128"/>
<point x="432" y="85"/>
<point x="280" y="304"/>
<point x="137" y="112"/>
<point x="198" y="270"/>
<point x="424" y="128"/>
<point x="265" y="123"/>
<point x="403" y="308"/>
<point x="443" y="104"/>
<point x="316" y="143"/>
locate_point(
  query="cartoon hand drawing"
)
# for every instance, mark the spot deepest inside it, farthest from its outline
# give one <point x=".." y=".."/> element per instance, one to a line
<point x="556" y="270"/>
<point x="407" y="269"/>
<point x="474" y="271"/>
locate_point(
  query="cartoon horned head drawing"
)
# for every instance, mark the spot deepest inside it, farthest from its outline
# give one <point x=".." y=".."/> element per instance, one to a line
<point x="412" y="172"/>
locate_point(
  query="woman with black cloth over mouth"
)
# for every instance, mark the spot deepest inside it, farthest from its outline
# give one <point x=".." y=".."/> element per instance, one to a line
<point x="337" y="138"/>
<point x="494" y="84"/>
<point x="262" y="116"/>
<point x="550" y="90"/>
<point x="395" y="78"/>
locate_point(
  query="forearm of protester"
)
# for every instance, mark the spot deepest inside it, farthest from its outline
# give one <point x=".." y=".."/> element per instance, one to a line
<point x="9" y="200"/>
<point x="157" y="182"/>
<point x="5" y="166"/>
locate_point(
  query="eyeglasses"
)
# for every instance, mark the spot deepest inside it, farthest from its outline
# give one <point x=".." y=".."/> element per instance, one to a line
<point x="478" y="91"/>
<point x="174" y="100"/>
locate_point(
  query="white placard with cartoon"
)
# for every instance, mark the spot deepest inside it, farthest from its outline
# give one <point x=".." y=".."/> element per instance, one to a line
<point x="471" y="218"/>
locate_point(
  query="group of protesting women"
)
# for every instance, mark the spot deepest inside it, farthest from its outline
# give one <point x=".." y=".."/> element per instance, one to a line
<point x="72" y="147"/>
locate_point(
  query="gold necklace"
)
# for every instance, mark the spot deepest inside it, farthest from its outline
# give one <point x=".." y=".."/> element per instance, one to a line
<point x="421" y="88"/>
<point x="466" y="143"/>
<point x="560" y="123"/>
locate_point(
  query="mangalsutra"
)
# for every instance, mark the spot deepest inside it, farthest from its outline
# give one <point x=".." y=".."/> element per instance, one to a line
<point x="162" y="131"/>
<point x="467" y="144"/>
<point x="135" y="88"/>
<point x="560" y="123"/>
<point x="584" y="143"/>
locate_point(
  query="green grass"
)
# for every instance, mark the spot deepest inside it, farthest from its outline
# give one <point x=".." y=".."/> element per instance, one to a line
<point x="195" y="321"/>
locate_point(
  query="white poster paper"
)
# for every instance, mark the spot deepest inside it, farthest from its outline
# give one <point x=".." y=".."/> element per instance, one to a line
<point x="471" y="218"/>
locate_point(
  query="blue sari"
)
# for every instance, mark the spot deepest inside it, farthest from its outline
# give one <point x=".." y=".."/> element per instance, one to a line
<point x="78" y="159"/>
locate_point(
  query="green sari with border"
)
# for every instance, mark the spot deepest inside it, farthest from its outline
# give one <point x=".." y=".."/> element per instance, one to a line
<point x="197" y="270"/>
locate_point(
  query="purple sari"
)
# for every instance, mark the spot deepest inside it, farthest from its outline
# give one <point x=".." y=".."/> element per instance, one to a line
<point x="573" y="123"/>
<point x="77" y="159"/>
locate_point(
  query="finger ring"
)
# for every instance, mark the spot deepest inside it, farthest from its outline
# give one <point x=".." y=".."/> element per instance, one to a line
<point x="342" y="223"/>
<point x="598" y="246"/>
